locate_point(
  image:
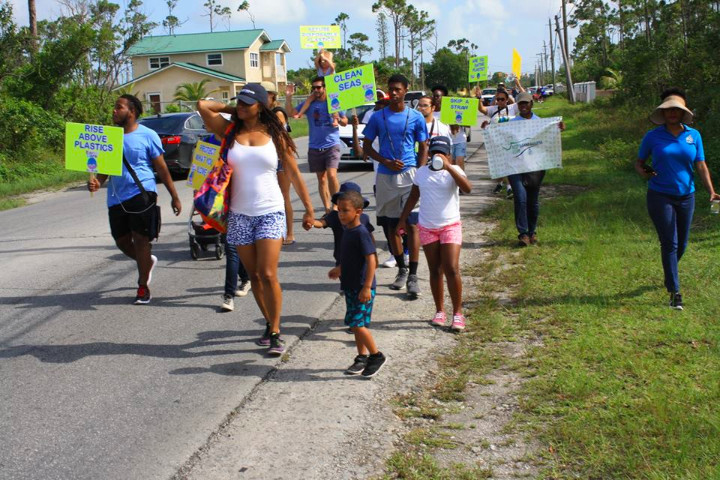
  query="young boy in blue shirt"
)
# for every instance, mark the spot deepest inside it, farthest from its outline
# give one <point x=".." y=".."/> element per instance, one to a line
<point x="358" y="261"/>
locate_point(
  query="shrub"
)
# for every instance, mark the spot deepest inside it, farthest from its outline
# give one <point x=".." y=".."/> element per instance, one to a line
<point x="26" y="128"/>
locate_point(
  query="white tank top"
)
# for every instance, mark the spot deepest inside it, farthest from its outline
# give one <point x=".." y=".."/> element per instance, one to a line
<point x="254" y="185"/>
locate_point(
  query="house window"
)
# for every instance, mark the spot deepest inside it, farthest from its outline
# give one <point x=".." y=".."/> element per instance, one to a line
<point x="214" y="59"/>
<point x="225" y="95"/>
<point x="279" y="59"/>
<point x="159" y="62"/>
<point x="255" y="60"/>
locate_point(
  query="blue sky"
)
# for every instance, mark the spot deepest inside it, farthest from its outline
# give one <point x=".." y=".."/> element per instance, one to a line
<point x="495" y="25"/>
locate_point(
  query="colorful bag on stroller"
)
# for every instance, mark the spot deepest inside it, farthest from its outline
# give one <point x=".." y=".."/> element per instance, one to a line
<point x="212" y="201"/>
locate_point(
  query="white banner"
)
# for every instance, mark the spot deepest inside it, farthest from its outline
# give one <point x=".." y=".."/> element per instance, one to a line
<point x="523" y="146"/>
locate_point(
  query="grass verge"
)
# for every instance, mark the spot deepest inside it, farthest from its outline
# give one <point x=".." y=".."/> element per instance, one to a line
<point x="24" y="177"/>
<point x="621" y="386"/>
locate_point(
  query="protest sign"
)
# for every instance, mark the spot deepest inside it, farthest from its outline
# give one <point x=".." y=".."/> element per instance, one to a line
<point x="459" y="111"/>
<point x="320" y="36"/>
<point x="523" y="146"/>
<point x="204" y="157"/>
<point x="350" y="88"/>
<point x="516" y="64"/>
<point x="93" y="148"/>
<point x="478" y="70"/>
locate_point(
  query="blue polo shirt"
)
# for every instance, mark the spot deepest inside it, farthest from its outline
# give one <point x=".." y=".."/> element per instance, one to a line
<point x="139" y="148"/>
<point x="321" y="132"/>
<point x="401" y="147"/>
<point x="673" y="159"/>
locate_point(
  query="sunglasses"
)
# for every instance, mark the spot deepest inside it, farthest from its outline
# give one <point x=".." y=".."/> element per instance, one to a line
<point x="318" y="87"/>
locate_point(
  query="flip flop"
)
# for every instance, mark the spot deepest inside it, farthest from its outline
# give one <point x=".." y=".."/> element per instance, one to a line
<point x="286" y="243"/>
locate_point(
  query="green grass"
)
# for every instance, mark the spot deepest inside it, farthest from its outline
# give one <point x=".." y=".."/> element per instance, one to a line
<point x="17" y="178"/>
<point x="620" y="386"/>
<point x="623" y="387"/>
<point x="299" y="127"/>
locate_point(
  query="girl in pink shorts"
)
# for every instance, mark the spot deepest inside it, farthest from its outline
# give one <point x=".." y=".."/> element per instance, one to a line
<point x="439" y="183"/>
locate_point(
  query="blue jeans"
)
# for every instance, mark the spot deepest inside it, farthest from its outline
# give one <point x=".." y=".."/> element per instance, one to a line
<point x="233" y="269"/>
<point x="672" y="216"/>
<point x="527" y="205"/>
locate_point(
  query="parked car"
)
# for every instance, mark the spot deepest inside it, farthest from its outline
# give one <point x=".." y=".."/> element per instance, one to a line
<point x="549" y="90"/>
<point x="347" y="154"/>
<point x="413" y="97"/>
<point x="179" y="132"/>
<point x="488" y="94"/>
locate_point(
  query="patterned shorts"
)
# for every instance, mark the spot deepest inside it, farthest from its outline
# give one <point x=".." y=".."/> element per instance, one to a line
<point x="358" y="313"/>
<point x="246" y="230"/>
<point x="448" y="234"/>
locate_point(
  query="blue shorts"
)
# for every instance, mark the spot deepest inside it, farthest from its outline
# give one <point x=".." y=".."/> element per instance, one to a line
<point x="358" y="313"/>
<point x="459" y="149"/>
<point x="246" y="230"/>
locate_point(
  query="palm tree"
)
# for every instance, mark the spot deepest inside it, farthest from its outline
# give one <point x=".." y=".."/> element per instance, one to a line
<point x="192" y="92"/>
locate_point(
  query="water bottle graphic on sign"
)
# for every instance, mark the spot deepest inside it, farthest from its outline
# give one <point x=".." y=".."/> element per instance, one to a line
<point x="91" y="161"/>
<point x="369" y="92"/>
<point x="335" y="101"/>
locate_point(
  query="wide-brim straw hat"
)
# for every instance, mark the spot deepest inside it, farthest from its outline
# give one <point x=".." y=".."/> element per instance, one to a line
<point x="673" y="101"/>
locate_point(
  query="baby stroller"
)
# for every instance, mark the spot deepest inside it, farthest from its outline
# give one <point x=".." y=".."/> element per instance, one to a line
<point x="202" y="236"/>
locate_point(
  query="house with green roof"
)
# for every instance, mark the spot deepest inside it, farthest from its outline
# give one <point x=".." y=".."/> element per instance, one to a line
<point x="228" y="60"/>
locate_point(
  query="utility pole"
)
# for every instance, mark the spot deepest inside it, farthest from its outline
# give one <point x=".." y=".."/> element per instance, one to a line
<point x="565" y="34"/>
<point x="552" y="55"/>
<point x="545" y="58"/>
<point x="563" y="50"/>
<point x="540" y="68"/>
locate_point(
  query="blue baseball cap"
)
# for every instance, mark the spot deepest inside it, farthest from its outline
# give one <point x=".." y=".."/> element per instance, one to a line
<point x="252" y="93"/>
<point x="349" y="187"/>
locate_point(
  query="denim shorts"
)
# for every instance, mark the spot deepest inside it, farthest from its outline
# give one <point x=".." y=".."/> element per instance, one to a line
<point x="459" y="149"/>
<point x="358" y="313"/>
<point x="246" y="230"/>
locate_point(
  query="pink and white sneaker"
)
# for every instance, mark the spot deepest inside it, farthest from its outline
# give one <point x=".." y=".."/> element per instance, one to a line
<point x="439" y="320"/>
<point x="458" y="323"/>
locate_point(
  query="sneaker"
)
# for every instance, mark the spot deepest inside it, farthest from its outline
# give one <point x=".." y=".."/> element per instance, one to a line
<point x="243" y="289"/>
<point x="401" y="279"/>
<point x="509" y="194"/>
<point x="143" y="295"/>
<point x="228" y="304"/>
<point x="358" y="365"/>
<point x="498" y="188"/>
<point x="264" y="341"/>
<point x="374" y="364"/>
<point x="276" y="345"/>
<point x="152" y="267"/>
<point x="458" y="323"/>
<point x="413" y="289"/>
<point x="439" y="320"/>
<point x="533" y="238"/>
<point x="523" y="240"/>
<point x="676" y="302"/>
<point x="390" y="262"/>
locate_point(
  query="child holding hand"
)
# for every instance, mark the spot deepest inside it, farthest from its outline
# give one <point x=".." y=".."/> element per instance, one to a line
<point x="358" y="262"/>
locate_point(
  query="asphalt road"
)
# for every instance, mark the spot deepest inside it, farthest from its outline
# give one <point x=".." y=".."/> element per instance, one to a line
<point x="92" y="386"/>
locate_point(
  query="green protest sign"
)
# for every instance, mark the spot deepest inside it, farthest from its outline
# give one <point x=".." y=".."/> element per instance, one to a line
<point x="459" y="111"/>
<point x="93" y="148"/>
<point x="478" y="70"/>
<point x="351" y="88"/>
<point x="320" y="36"/>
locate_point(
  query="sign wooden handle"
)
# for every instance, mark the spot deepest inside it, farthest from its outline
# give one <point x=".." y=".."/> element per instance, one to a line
<point x="92" y="177"/>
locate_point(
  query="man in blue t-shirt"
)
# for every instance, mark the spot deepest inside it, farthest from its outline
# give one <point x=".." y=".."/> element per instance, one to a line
<point x="398" y="129"/>
<point x="132" y="212"/>
<point x="324" y="138"/>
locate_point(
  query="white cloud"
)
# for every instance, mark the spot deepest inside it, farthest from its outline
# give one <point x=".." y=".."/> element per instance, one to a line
<point x="273" y="12"/>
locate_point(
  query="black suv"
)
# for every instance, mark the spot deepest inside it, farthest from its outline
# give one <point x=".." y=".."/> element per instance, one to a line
<point x="179" y="132"/>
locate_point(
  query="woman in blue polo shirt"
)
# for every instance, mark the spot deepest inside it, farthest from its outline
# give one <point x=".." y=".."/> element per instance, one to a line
<point x="676" y="151"/>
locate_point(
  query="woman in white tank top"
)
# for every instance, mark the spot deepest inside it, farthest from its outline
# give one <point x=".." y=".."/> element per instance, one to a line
<point x="256" y="222"/>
